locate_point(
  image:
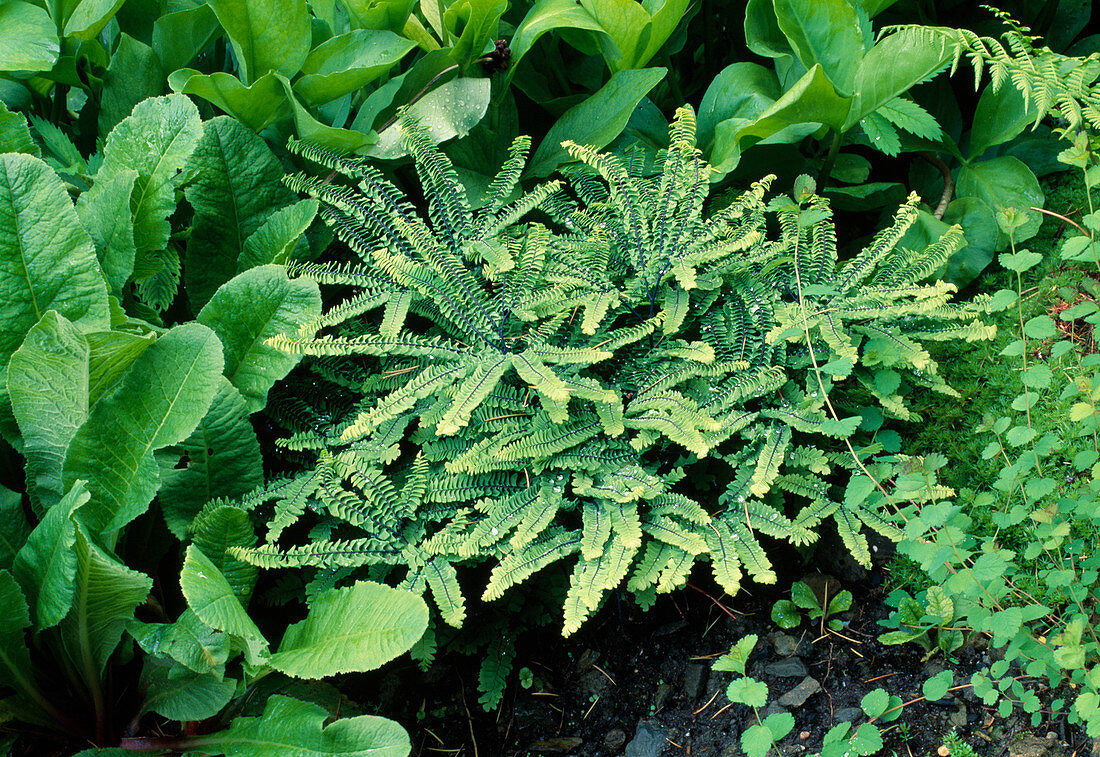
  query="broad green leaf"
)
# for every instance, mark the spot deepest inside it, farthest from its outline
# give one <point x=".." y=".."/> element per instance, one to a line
<point x="155" y="140"/>
<point x="104" y="210"/>
<point x="47" y="261"/>
<point x="1003" y="183"/>
<point x="84" y="19"/>
<point x="471" y="25"/>
<point x="237" y="185"/>
<point x="626" y="26"/>
<point x="351" y="629"/>
<point x="135" y="74"/>
<point x="291" y="727"/>
<point x="219" y="530"/>
<point x="15" y="136"/>
<point x="762" y="33"/>
<point x="28" y="38"/>
<point x="894" y="66"/>
<point x="545" y="16"/>
<point x="48" y="385"/>
<point x="188" y="641"/>
<point x="46" y="565"/>
<point x="159" y="402"/>
<point x="785" y="614"/>
<point x="221" y="458"/>
<point x="1002" y="115"/>
<point x="13" y="526"/>
<point x="379" y="14"/>
<point x="178" y="694"/>
<point x="107" y="593"/>
<point x="748" y="691"/>
<point x="256" y="106"/>
<point x="811" y="100"/>
<point x="313" y="131"/>
<point x="825" y="33"/>
<point x="935" y="688"/>
<point x="450" y="110"/>
<point x="348" y="62"/>
<point x="875" y="702"/>
<point x="252" y="308"/>
<point x="597" y="120"/>
<point x="211" y="598"/>
<point x="267" y="35"/>
<point x="179" y="37"/>
<point x="278" y="236"/>
<point x="112" y="354"/>
<point x="15" y="658"/>
<point x="982" y="240"/>
<point x="741" y="90"/>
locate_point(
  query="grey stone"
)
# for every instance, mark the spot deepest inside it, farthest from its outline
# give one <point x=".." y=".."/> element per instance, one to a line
<point x="1030" y="746"/>
<point x="797" y="696"/>
<point x="848" y="714"/>
<point x="594" y="683"/>
<point x="785" y="645"/>
<point x="649" y="740"/>
<point x="614" y="740"/>
<point x="792" y="667"/>
<point x="958" y="716"/>
<point x="695" y="680"/>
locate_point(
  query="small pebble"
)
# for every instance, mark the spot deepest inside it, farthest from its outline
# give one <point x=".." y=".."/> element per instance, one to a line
<point x="943" y="751"/>
<point x="804" y="735"/>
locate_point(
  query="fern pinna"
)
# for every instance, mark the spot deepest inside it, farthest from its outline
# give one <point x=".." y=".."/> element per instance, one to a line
<point x="531" y="391"/>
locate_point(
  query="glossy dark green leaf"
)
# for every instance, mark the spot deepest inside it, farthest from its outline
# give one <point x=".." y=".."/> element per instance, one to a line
<point x="237" y="185"/>
<point x="221" y="458"/>
<point x="1002" y="115"/>
<point x="825" y="33"/>
<point x="1002" y="183"/>
<point x="348" y="62"/>
<point x="257" y="106"/>
<point x="180" y="36"/>
<point x="135" y="74"/>
<point x="267" y="35"/>
<point x="597" y="120"/>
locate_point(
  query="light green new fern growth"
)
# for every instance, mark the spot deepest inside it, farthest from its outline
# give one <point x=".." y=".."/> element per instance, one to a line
<point x="529" y="392"/>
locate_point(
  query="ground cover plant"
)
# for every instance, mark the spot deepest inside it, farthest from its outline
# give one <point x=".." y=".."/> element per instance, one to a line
<point x="682" y="338"/>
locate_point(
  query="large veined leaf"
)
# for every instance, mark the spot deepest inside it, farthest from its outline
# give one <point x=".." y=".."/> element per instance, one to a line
<point x="84" y="19"/>
<point x="348" y="62"/>
<point x="212" y="599"/>
<point x="188" y="641"/>
<point x="179" y="694"/>
<point x="547" y="15"/>
<point x="597" y="120"/>
<point x="824" y="32"/>
<point x="48" y="385"/>
<point x="179" y="37"/>
<point x="159" y="402"/>
<point x="291" y="727"/>
<point x="156" y="141"/>
<point x="276" y="239"/>
<point x="248" y="310"/>
<point x="105" y="597"/>
<point x="13" y="526"/>
<point x="15" y="658"/>
<point x="46" y="565"/>
<point x="450" y="110"/>
<point x="354" y="628"/>
<point x="15" y="136"/>
<point x="267" y="35"/>
<point x="257" y="106"/>
<point x="237" y="185"/>
<point x="893" y="66"/>
<point x="1002" y="183"/>
<point x="104" y="210"/>
<point x="47" y="261"/>
<point x="220" y="530"/>
<point x="112" y="355"/>
<point x="135" y="74"/>
<point x="28" y="38"/>
<point x="221" y="458"/>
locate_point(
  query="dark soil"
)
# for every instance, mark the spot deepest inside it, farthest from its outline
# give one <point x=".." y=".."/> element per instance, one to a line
<point x="639" y="683"/>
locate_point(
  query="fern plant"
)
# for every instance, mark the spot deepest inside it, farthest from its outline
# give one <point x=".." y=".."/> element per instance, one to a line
<point x="526" y="392"/>
<point x="1049" y="81"/>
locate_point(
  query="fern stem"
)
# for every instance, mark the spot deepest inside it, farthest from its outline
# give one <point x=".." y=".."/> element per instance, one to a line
<point x="948" y="182"/>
